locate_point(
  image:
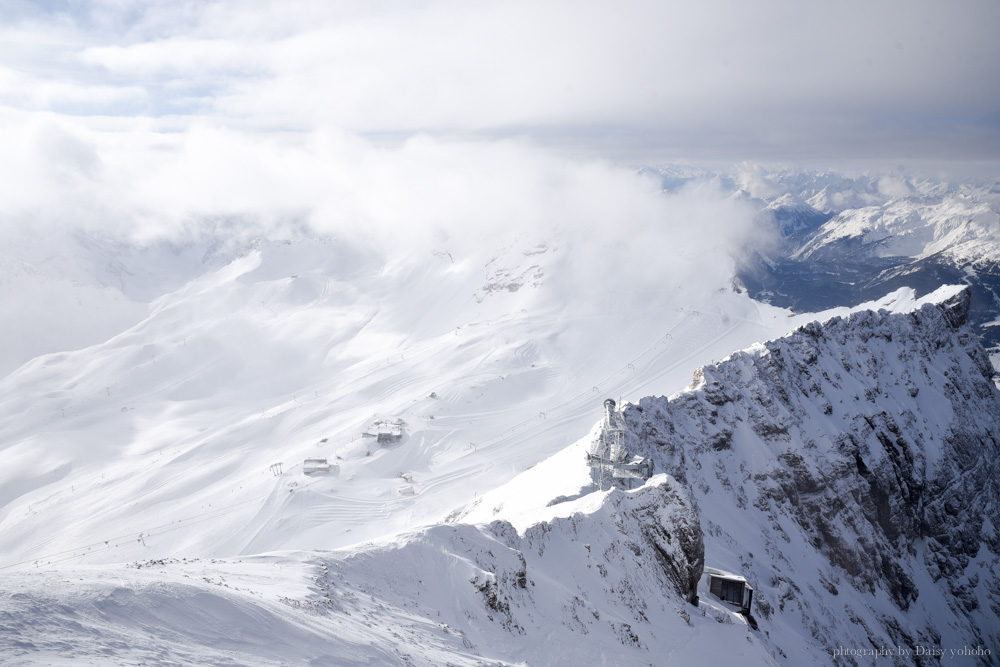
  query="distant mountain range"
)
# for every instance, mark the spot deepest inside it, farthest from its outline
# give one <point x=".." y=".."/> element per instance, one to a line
<point x="838" y="240"/>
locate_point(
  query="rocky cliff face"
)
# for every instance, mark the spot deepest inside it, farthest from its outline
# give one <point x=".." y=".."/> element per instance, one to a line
<point x="850" y="471"/>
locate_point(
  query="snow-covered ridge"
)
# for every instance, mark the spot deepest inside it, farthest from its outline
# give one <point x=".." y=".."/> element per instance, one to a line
<point x="850" y="471"/>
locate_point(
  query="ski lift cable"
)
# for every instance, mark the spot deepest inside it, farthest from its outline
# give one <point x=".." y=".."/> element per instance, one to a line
<point x="183" y="522"/>
<point x="607" y="380"/>
<point x="157" y="530"/>
<point x="573" y="399"/>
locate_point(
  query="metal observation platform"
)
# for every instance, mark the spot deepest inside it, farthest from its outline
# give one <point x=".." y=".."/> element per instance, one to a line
<point x="610" y="460"/>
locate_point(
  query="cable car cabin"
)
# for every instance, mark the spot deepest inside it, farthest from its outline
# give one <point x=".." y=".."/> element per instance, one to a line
<point x="730" y="588"/>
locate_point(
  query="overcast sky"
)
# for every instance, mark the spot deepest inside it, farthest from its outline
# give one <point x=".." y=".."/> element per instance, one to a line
<point x="726" y="79"/>
<point x="428" y="120"/>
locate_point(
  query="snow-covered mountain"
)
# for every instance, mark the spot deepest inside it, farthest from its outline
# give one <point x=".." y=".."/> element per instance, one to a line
<point x="478" y="537"/>
<point x="961" y="227"/>
<point x="837" y="240"/>
<point x="156" y="423"/>
<point x="849" y="471"/>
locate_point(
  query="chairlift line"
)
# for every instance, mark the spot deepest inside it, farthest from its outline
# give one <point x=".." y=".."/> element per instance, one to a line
<point x="115" y="542"/>
<point x="584" y="394"/>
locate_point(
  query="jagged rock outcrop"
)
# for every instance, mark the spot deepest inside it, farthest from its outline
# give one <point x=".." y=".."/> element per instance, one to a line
<point x="872" y="440"/>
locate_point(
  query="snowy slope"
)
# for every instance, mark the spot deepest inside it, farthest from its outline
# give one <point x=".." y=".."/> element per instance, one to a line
<point x="155" y="447"/>
<point x="587" y="589"/>
<point x="157" y="444"/>
<point x="159" y="461"/>
<point x="290" y="352"/>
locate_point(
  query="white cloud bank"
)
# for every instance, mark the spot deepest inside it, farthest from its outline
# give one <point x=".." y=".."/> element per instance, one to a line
<point x="143" y="186"/>
<point x="419" y="123"/>
<point x="135" y="210"/>
<point x="724" y="78"/>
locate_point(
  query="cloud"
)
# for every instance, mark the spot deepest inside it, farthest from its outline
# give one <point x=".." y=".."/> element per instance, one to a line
<point x="29" y="92"/>
<point x="207" y="184"/>
<point x="723" y="79"/>
<point x="894" y="186"/>
<point x="418" y="125"/>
